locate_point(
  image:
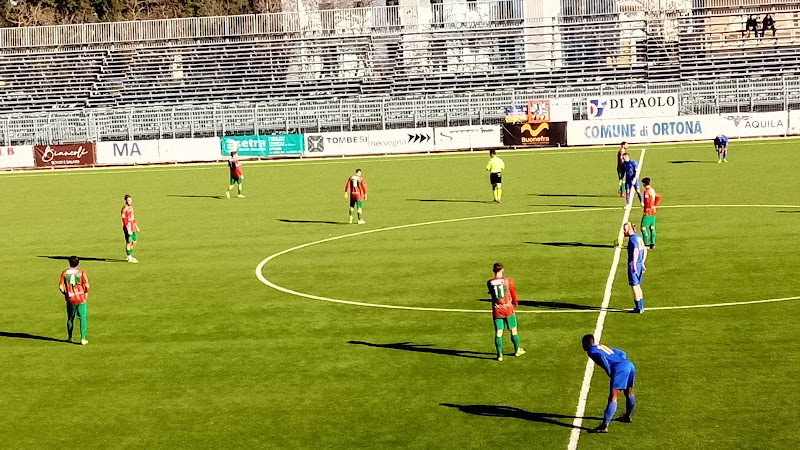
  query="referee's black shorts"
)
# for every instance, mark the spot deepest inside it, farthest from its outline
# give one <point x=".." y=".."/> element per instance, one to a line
<point x="495" y="178"/>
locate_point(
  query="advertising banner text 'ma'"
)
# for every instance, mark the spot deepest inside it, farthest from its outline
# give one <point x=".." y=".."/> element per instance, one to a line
<point x="64" y="155"/>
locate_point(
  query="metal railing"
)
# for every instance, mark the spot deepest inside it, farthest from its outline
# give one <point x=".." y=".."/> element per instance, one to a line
<point x="706" y="97"/>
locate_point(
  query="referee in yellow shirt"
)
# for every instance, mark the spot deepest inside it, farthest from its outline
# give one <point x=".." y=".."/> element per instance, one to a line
<point x="495" y="168"/>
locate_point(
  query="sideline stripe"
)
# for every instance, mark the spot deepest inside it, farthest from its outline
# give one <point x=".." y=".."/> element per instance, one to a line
<point x="598" y="329"/>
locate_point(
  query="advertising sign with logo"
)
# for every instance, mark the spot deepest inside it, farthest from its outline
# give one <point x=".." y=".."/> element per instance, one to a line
<point x="794" y="122"/>
<point x="263" y="145"/>
<point x="408" y="140"/>
<point x="187" y="150"/>
<point x="336" y="144"/>
<point x="64" y="155"/>
<point x="542" y="134"/>
<point x="16" y="156"/>
<point x="633" y="106"/>
<point x="467" y="137"/>
<point x="658" y="129"/>
<point x="756" y="124"/>
<point x="127" y="152"/>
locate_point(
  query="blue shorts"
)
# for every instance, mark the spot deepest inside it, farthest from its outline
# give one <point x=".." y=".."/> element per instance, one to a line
<point x="635" y="279"/>
<point x="622" y="375"/>
<point x="628" y="186"/>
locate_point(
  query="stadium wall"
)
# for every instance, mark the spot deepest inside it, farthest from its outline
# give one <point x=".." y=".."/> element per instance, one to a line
<point x="396" y="141"/>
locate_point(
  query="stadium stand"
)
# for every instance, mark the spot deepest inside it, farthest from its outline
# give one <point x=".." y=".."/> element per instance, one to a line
<point x="390" y="52"/>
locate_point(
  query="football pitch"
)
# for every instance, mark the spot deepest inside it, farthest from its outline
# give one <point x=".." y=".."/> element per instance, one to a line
<point x="380" y="335"/>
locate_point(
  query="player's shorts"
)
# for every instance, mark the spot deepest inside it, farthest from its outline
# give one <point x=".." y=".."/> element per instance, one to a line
<point x="130" y="238"/>
<point x="648" y="221"/>
<point x="495" y="178"/>
<point x="355" y="203"/>
<point x="628" y="186"/>
<point x="635" y="279"/>
<point x="505" y="322"/>
<point x="237" y="180"/>
<point x="623" y="375"/>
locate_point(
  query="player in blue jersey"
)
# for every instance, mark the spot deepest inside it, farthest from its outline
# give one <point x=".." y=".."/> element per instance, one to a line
<point x="622" y="373"/>
<point x="637" y="254"/>
<point x="721" y="144"/>
<point x="630" y="167"/>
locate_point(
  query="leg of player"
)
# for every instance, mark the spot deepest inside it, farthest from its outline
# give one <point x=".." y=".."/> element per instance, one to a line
<point x="70" y="320"/>
<point x="638" y="301"/>
<point x="724" y="154"/>
<point x="630" y="402"/>
<point x="498" y="337"/>
<point x="499" y="191"/>
<point x="239" y="182"/>
<point x="608" y="413"/>
<point x="351" y="214"/>
<point x="621" y="176"/>
<point x="645" y="231"/>
<point x="230" y="187"/>
<point x="84" y="317"/>
<point x="518" y="350"/>
<point x="639" y="193"/>
<point x="359" y="205"/>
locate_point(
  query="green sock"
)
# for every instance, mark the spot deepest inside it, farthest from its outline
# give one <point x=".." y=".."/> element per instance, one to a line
<point x="515" y="340"/>
<point x="652" y="235"/>
<point x="240" y="189"/>
<point x="84" y="319"/>
<point x="128" y="251"/>
<point x="646" y="235"/>
<point x="498" y="344"/>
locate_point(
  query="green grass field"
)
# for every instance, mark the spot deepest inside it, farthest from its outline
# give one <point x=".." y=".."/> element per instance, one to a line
<point x="188" y="349"/>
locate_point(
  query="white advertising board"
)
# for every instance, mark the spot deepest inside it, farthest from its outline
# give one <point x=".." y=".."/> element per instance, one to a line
<point x="794" y="122"/>
<point x="657" y="129"/>
<point x="336" y="144"/>
<point x="185" y="150"/>
<point x="755" y="124"/>
<point x="127" y="152"/>
<point x="633" y="106"/>
<point x="373" y="142"/>
<point x="468" y="137"/>
<point x="409" y="140"/>
<point x="14" y="156"/>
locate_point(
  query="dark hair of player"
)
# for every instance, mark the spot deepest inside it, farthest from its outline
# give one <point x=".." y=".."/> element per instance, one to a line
<point x="73" y="261"/>
<point x="127" y="197"/>
<point x="587" y="341"/>
<point x="492" y="152"/>
<point x="623" y="144"/>
<point x="358" y="170"/>
<point x="497" y="267"/>
<point x="646" y="181"/>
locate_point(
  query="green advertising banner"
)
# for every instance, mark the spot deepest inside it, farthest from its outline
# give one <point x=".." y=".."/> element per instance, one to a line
<point x="263" y="145"/>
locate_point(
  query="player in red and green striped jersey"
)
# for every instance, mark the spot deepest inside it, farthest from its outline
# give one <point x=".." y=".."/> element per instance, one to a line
<point x="504" y="299"/>
<point x="356" y="190"/>
<point x="74" y="284"/>
<point x="235" y="167"/>
<point x="130" y="229"/>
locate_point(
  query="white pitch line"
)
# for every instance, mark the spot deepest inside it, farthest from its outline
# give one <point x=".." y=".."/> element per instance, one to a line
<point x="598" y="329"/>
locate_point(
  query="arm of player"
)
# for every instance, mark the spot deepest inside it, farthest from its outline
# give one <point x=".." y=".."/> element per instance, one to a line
<point x="61" y="287"/>
<point x="85" y="281"/>
<point x="601" y="361"/>
<point x="635" y="259"/>
<point x="513" y="291"/>
<point x="657" y="200"/>
<point x="644" y="256"/>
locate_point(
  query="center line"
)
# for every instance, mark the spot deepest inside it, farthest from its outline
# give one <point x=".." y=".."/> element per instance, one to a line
<point x="598" y="329"/>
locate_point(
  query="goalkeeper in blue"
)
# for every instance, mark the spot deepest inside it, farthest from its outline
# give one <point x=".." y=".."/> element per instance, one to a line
<point x="721" y="144"/>
<point x="621" y="371"/>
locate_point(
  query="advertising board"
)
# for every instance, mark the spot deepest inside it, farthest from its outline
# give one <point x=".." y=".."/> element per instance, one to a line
<point x="64" y="155"/>
<point x="16" y="156"/>
<point x="666" y="129"/>
<point x="128" y="152"/>
<point x="542" y="134"/>
<point x="633" y="106"/>
<point x="467" y="137"/>
<point x="755" y="124"/>
<point x="263" y="145"/>
<point x="186" y="150"/>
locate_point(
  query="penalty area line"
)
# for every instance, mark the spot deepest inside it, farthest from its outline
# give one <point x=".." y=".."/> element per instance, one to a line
<point x="598" y="329"/>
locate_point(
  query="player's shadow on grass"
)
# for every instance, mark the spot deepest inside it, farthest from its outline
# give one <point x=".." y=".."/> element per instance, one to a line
<point x="517" y="413"/>
<point x="85" y="258"/>
<point x="575" y="195"/>
<point x="428" y="348"/>
<point x="444" y="200"/>
<point x="571" y="244"/>
<point x="692" y="162"/>
<point x="553" y="305"/>
<point x="197" y="196"/>
<point x="580" y="206"/>
<point x="7" y="334"/>
<point x="788" y="212"/>
<point x="330" y="222"/>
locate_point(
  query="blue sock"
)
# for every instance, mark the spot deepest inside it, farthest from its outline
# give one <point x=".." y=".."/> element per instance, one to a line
<point x="725" y="154"/>
<point x="608" y="414"/>
<point x="627" y="198"/>
<point x="630" y="402"/>
<point x="640" y="304"/>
